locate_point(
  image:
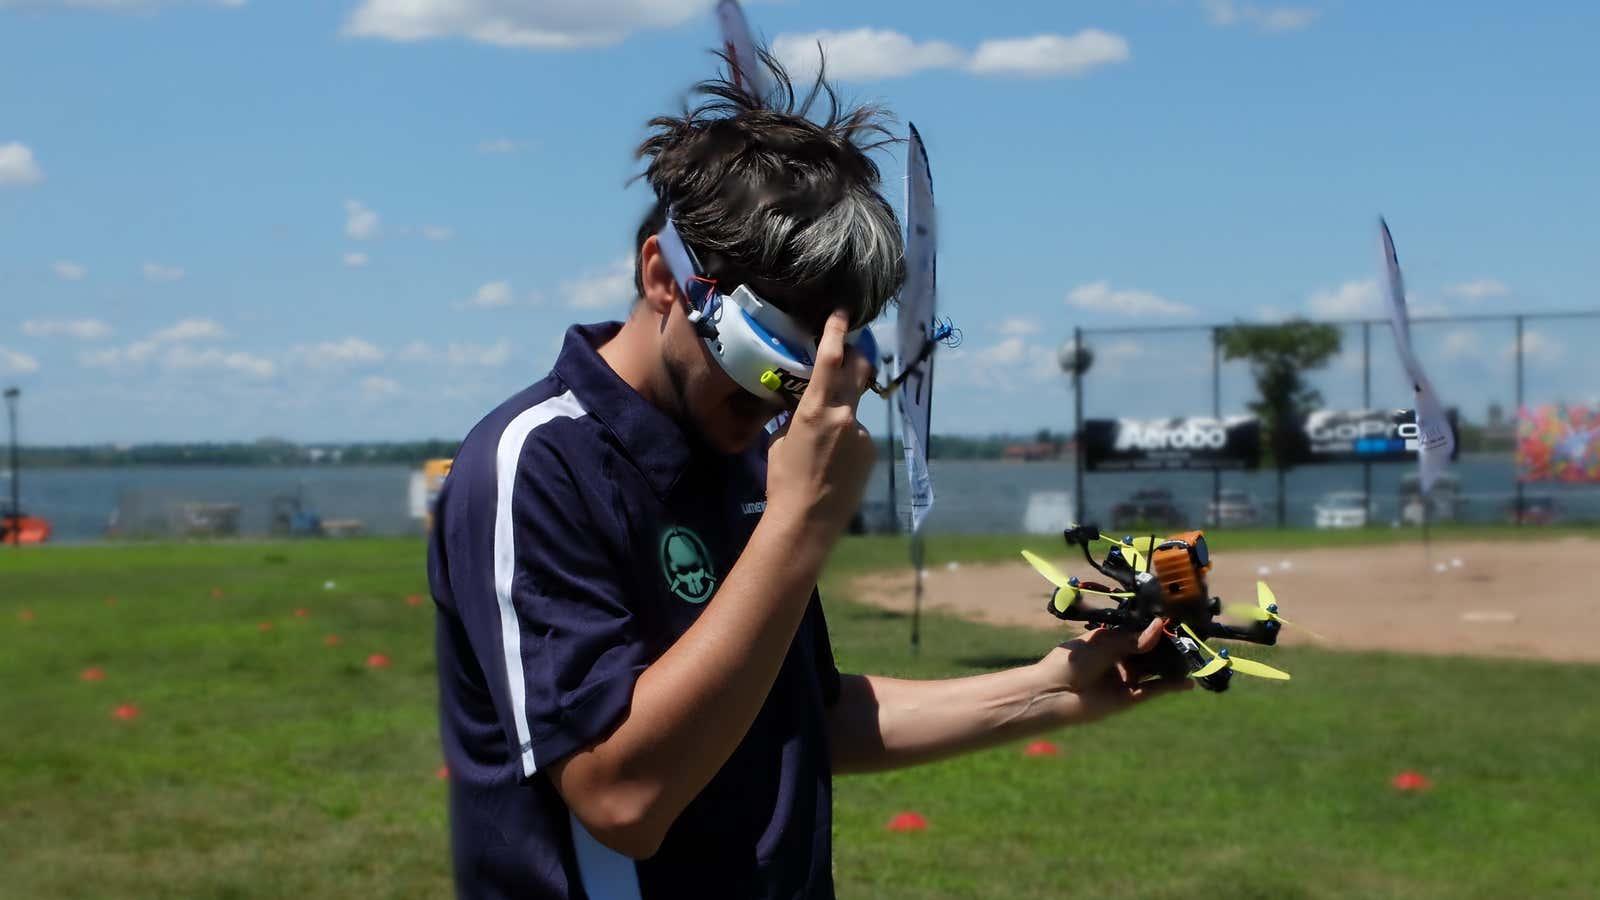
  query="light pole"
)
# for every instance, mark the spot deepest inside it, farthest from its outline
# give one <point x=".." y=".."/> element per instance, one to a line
<point x="16" y="503"/>
<point x="1075" y="359"/>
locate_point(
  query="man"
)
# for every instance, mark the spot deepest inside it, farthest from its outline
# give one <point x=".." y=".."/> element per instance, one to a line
<point x="639" y="697"/>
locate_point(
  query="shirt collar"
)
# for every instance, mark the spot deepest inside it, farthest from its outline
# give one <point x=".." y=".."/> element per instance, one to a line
<point x="651" y="439"/>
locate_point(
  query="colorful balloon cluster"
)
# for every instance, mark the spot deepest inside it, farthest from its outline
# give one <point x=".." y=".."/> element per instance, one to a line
<point x="1558" y="443"/>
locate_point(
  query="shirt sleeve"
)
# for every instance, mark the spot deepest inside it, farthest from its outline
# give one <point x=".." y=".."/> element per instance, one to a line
<point x="822" y="648"/>
<point x="566" y="612"/>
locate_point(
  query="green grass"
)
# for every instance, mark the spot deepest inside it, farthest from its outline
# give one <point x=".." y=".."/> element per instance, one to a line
<point x="267" y="764"/>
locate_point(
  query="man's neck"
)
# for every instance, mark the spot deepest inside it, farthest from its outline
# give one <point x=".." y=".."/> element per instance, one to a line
<point x="632" y="354"/>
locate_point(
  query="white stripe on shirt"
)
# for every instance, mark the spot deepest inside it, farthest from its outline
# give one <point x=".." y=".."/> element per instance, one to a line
<point x="507" y="455"/>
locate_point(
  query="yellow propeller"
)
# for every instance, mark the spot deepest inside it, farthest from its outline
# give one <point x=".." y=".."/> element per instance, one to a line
<point x="1067" y="589"/>
<point x="1143" y="543"/>
<point x="1131" y="551"/>
<point x="1224" y="660"/>
<point x="1265" y="610"/>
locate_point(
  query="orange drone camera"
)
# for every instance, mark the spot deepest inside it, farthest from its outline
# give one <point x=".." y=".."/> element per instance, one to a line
<point x="1165" y="578"/>
<point x="1180" y="564"/>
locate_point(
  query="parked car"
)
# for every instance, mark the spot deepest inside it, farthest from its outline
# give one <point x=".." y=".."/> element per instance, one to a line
<point x="1147" y="508"/>
<point x="1537" y="509"/>
<point x="1444" y="501"/>
<point x="1233" y="507"/>
<point x="1343" y="509"/>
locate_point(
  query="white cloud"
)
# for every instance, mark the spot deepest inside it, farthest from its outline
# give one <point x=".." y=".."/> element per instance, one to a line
<point x="501" y="145"/>
<point x="355" y="260"/>
<point x="352" y="351"/>
<point x="490" y="356"/>
<point x="1101" y="297"/>
<point x="437" y="233"/>
<point x="459" y="354"/>
<point x="135" y="354"/>
<point x="18" y="168"/>
<point x="378" y="386"/>
<point x="171" y="348"/>
<point x="1481" y="289"/>
<point x="1007" y="365"/>
<point x="15" y="362"/>
<point x="868" y="53"/>
<point x="1008" y="352"/>
<point x="493" y="295"/>
<point x="607" y="288"/>
<point x="416" y="352"/>
<point x="81" y="329"/>
<point x="160" y="274"/>
<point x="1537" y="347"/>
<point x="1351" y="300"/>
<point x="182" y="356"/>
<point x="1228" y="13"/>
<point x="1285" y="18"/>
<point x="1460" y="344"/>
<point x="360" y="223"/>
<point x="1016" y="326"/>
<point x="191" y="330"/>
<point x="529" y="24"/>
<point x="1115" y="357"/>
<point x="1050" y="54"/>
<point x="864" y="53"/>
<point x="67" y="270"/>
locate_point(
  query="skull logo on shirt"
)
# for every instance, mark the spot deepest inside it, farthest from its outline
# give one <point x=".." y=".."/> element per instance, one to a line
<point x="686" y="565"/>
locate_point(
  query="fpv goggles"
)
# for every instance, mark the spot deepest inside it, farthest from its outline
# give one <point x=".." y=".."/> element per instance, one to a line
<point x="761" y="347"/>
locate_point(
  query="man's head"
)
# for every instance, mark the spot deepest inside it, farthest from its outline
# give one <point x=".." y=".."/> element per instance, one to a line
<point x="767" y="198"/>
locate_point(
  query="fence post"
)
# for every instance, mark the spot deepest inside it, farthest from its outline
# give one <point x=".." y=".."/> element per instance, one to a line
<point x="1366" y="403"/>
<point x="1216" y="412"/>
<point x="1518" y="424"/>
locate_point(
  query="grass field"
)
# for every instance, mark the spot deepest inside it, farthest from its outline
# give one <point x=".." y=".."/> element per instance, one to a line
<point x="264" y="762"/>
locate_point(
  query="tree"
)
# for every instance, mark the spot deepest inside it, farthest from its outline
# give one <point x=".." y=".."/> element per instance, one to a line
<point x="1279" y="356"/>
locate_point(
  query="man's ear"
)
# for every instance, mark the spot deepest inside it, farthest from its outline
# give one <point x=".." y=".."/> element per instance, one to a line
<point x="660" y="288"/>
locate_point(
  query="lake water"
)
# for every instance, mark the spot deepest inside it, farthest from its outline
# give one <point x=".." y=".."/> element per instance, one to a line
<point x="973" y="496"/>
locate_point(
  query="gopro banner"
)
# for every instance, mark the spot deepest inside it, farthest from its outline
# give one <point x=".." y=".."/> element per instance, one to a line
<point x="1121" y="445"/>
<point x="1365" y="435"/>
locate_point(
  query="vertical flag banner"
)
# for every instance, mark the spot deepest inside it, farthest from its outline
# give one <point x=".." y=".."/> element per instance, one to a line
<point x="915" y="327"/>
<point x="739" y="43"/>
<point x="1436" y="442"/>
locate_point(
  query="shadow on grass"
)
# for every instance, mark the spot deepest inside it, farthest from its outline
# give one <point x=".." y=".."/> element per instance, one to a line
<point x="875" y="614"/>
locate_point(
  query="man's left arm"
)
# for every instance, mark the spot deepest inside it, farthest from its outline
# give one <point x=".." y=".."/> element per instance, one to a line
<point x="886" y="723"/>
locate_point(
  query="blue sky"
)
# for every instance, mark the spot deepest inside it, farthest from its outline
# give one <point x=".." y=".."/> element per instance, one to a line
<point x="373" y="219"/>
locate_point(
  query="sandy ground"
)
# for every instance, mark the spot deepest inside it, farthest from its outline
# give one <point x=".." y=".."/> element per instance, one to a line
<point x="1491" y="599"/>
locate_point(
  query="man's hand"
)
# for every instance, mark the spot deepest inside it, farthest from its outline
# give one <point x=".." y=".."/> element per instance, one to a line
<point x="818" y="463"/>
<point x="1093" y="669"/>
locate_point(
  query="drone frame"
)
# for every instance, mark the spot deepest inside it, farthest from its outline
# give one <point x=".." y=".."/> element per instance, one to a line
<point x="1177" y="655"/>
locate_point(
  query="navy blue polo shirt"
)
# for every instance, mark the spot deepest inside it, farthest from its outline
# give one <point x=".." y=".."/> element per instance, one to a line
<point x="579" y="533"/>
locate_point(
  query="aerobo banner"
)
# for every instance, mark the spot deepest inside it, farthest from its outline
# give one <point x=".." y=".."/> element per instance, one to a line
<point x="1114" y="445"/>
<point x="1364" y="435"/>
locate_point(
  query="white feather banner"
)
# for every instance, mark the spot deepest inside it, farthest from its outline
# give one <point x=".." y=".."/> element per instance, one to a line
<point x="918" y="307"/>
<point x="739" y="43"/>
<point x="1435" y="441"/>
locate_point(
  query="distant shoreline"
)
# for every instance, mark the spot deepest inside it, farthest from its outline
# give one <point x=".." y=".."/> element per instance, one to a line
<point x="414" y="455"/>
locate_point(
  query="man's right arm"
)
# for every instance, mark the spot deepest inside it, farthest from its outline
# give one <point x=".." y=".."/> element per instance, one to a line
<point x="693" y="705"/>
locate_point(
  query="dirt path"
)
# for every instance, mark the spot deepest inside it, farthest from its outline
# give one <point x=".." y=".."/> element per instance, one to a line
<point x="1381" y="597"/>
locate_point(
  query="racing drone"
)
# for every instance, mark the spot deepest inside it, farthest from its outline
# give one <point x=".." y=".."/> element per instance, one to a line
<point x="1164" y="579"/>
